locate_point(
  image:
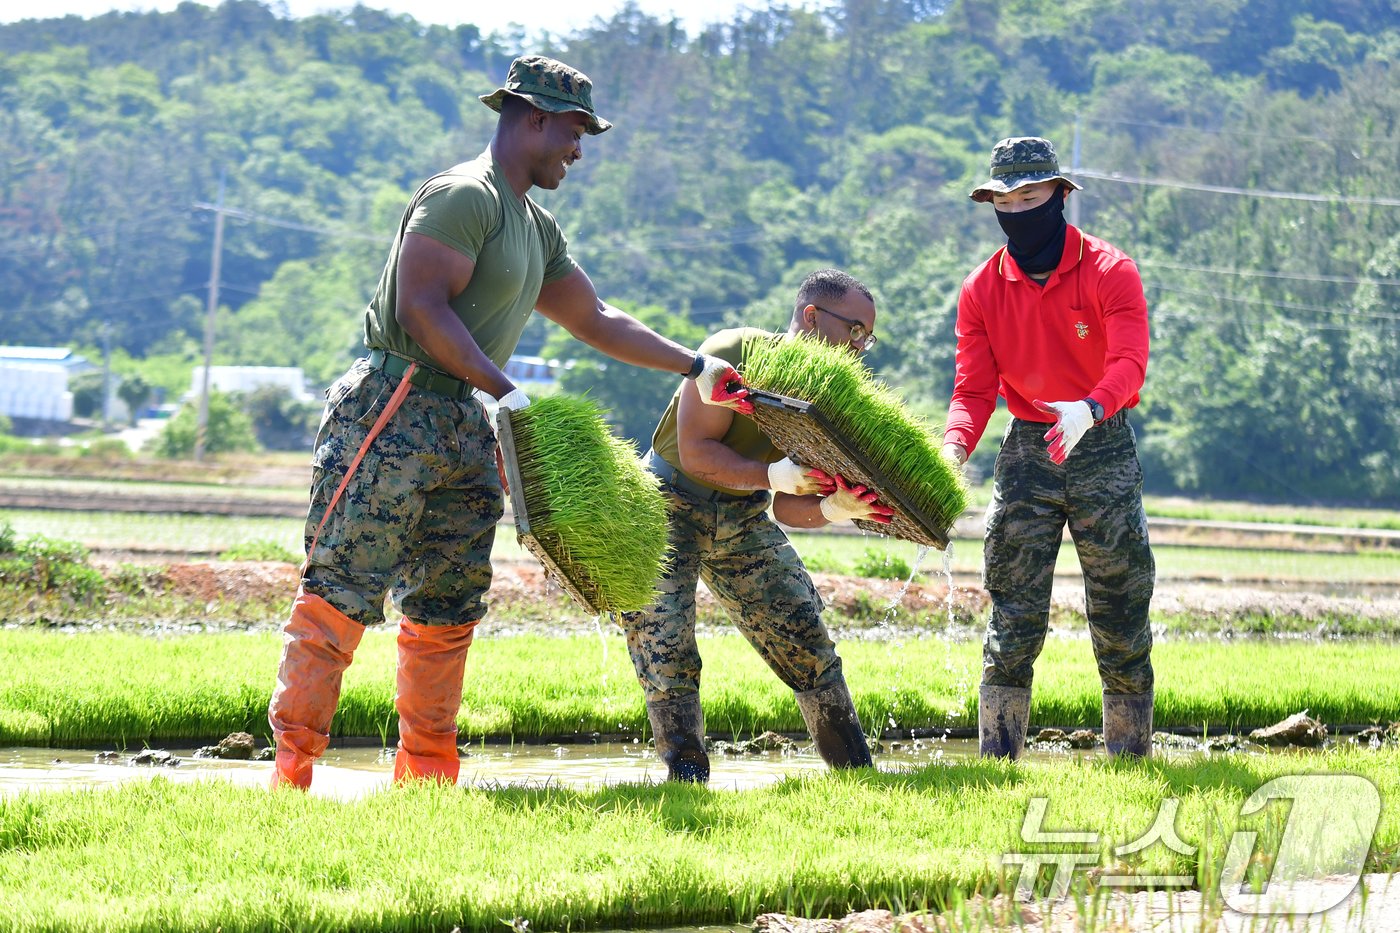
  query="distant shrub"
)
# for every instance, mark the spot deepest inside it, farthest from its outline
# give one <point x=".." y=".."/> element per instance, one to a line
<point x="47" y="565"/>
<point x="260" y="549"/>
<point x="881" y="566"/>
<point x="229" y="430"/>
<point x="135" y="580"/>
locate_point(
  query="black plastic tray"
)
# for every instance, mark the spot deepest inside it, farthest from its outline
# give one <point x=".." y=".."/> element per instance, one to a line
<point x="548" y="548"/>
<point x="800" y="430"/>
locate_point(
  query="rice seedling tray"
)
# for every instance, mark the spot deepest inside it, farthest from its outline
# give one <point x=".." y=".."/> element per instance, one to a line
<point x="547" y="547"/>
<point x="801" y="431"/>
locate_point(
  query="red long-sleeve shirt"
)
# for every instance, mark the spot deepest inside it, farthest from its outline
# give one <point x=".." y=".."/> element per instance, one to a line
<point x="1082" y="333"/>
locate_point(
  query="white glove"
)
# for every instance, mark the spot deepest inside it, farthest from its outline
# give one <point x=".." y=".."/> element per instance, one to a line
<point x="1072" y="420"/>
<point x="849" y="503"/>
<point x="794" y="479"/>
<point x="955" y="454"/>
<point x="719" y="384"/>
<point x="514" y="400"/>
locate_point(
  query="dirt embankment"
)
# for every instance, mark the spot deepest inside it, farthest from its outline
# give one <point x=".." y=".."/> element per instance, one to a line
<point x="523" y="598"/>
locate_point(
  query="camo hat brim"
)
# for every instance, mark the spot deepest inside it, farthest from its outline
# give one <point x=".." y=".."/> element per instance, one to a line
<point x="551" y="86"/>
<point x="1019" y="161"/>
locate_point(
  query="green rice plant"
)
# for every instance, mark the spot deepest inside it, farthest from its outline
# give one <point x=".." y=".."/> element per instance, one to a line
<point x="169" y="853"/>
<point x="598" y="515"/>
<point x="901" y="446"/>
<point x="103" y="687"/>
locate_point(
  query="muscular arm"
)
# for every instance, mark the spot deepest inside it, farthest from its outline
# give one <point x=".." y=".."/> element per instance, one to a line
<point x="573" y="304"/>
<point x="430" y="274"/>
<point x="700" y="432"/>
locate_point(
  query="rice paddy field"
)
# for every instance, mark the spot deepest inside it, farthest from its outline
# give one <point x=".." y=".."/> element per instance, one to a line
<point x="927" y="837"/>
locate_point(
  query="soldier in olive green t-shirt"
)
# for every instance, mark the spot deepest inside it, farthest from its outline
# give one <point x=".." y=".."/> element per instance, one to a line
<point x="717" y="470"/>
<point x="405" y="490"/>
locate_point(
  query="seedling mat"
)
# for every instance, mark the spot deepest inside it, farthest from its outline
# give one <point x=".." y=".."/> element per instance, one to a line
<point x="800" y="430"/>
<point x="547" y="546"/>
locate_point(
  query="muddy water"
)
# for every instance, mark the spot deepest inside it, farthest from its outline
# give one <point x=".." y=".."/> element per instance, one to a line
<point x="350" y="772"/>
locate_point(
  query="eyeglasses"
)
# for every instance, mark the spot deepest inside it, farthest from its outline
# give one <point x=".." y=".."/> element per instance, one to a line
<point x="860" y="337"/>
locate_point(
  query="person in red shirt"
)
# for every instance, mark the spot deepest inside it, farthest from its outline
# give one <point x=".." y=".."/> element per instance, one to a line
<point x="1055" y="322"/>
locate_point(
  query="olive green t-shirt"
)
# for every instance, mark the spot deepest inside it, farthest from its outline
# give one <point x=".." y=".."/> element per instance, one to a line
<point x="743" y="436"/>
<point x="516" y="247"/>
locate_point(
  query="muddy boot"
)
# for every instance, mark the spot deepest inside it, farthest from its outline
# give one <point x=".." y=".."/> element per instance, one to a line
<point x="679" y="727"/>
<point x="834" y="726"/>
<point x="1127" y="724"/>
<point x="432" y="662"/>
<point x="318" y="643"/>
<point x="1002" y="714"/>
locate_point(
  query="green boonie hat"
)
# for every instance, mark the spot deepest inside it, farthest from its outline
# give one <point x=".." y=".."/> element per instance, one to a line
<point x="551" y="86"/>
<point x="1020" y="161"/>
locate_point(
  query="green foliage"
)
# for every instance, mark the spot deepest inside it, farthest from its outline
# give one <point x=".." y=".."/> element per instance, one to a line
<point x="882" y="565"/>
<point x="261" y="549"/>
<point x="87" y="393"/>
<point x="280" y="421"/>
<point x="321" y="127"/>
<point x="44" y="566"/>
<point x="135" y="391"/>
<point x="229" y="430"/>
<point x="598" y="515"/>
<point x="633" y="397"/>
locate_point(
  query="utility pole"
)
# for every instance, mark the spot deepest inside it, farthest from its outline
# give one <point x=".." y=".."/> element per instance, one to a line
<point x="215" y="262"/>
<point x="1073" y="171"/>
<point x="106" y="374"/>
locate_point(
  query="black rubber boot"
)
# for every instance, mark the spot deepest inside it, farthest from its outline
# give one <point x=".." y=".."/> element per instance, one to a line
<point x="679" y="728"/>
<point x="834" y="726"/>
<point x="1002" y="714"/>
<point x="1127" y="724"/>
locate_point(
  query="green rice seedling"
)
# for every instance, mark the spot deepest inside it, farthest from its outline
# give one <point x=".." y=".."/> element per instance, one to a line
<point x="592" y="509"/>
<point x="163" y="853"/>
<point x="904" y="448"/>
<point x="65" y="690"/>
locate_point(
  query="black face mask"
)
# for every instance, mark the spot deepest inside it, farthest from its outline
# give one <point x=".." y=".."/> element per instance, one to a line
<point x="1036" y="238"/>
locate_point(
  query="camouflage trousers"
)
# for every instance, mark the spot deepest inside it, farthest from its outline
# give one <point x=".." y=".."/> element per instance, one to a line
<point x="754" y="572"/>
<point x="1098" y="492"/>
<point x="418" y="518"/>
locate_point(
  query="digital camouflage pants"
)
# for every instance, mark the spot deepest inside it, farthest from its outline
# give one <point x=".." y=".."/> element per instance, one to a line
<point x="754" y="572"/>
<point x="418" y="518"/>
<point x="1098" y="492"/>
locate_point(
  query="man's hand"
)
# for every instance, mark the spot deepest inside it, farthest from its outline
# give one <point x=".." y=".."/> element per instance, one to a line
<point x="955" y="454"/>
<point x="719" y="384"/>
<point x="849" y="503"/>
<point x="1072" y="420"/>
<point x="796" y="480"/>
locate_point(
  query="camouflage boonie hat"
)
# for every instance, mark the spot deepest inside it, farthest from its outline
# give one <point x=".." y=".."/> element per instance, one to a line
<point x="1020" y="161"/>
<point x="549" y="85"/>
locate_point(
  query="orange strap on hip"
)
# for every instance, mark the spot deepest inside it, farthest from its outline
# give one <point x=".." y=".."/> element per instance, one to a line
<point x="395" y="401"/>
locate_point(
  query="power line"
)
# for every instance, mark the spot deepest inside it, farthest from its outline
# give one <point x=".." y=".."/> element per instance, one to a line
<point x="1245" y="192"/>
<point x="240" y="214"/>
<point x="1242" y="134"/>
<point x="1297" y="276"/>
<point x="1289" y="305"/>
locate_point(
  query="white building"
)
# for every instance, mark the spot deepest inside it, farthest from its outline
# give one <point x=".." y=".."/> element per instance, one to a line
<point x="248" y="378"/>
<point x="34" y="382"/>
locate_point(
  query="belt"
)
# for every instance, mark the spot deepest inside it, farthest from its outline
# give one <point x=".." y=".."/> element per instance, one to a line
<point x="425" y="377"/>
<point x="675" y="478"/>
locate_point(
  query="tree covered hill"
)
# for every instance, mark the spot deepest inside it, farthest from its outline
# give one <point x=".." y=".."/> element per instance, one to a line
<point x="1243" y="151"/>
